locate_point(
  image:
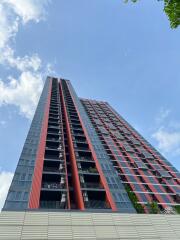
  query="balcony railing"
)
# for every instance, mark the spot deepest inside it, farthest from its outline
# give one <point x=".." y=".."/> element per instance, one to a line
<point x="53" y="148"/>
<point x="85" y="159"/>
<point x="83" y="141"/>
<point x="53" y="204"/>
<point x="53" y="126"/>
<point x="91" y="185"/>
<point x="57" y="157"/>
<point x="82" y="149"/>
<point x="88" y="170"/>
<point x="52" y="157"/>
<point x="52" y="169"/>
<point x="53" y="117"/>
<point x="53" y="185"/>
<point x="52" y="139"/>
<point x="54" y="133"/>
<point x="78" y="134"/>
<point x="96" y="204"/>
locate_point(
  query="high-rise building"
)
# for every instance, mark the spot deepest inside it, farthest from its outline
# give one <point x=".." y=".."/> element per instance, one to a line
<point x="81" y="154"/>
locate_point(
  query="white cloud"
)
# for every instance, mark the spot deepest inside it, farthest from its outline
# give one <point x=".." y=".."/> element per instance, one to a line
<point x="168" y="141"/>
<point x="5" y="181"/>
<point x="20" y="63"/>
<point x="24" y="90"/>
<point x="28" y="9"/>
<point x="8" y="26"/>
<point x="15" y="12"/>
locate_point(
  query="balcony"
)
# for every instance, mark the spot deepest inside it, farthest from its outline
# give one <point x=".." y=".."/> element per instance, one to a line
<point x="53" y="131"/>
<point x="54" y="112"/>
<point x="54" y="155"/>
<point x="95" y="204"/>
<point x="53" y="205"/>
<point x="54" y="145"/>
<point x="95" y="199"/>
<point x="52" y="135"/>
<point x="54" y="105"/>
<point x="75" y="118"/>
<point x="76" y="124"/>
<point x="53" y="198"/>
<point x="83" y="149"/>
<point x="80" y="141"/>
<point x="76" y="128"/>
<point x="54" y="108"/>
<point x="53" y="160"/>
<point x="52" y="148"/>
<point x="53" y="123"/>
<point x="84" y="154"/>
<point x="75" y="121"/>
<point x="91" y="181"/>
<point x="54" y="166"/>
<point x="85" y="159"/>
<point x="54" y="126"/>
<point x="52" y="139"/>
<point x="90" y="170"/>
<point x="53" y="185"/>
<point x="53" y="117"/>
<point x="54" y="170"/>
<point x="92" y="185"/>
<point x="78" y="133"/>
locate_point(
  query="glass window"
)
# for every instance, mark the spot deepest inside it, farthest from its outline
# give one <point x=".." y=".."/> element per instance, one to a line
<point x="137" y="187"/>
<point x="143" y="197"/>
<point x="18" y="195"/>
<point x="11" y="195"/>
<point x="25" y="197"/>
<point x="23" y="176"/>
<point x="164" y="173"/>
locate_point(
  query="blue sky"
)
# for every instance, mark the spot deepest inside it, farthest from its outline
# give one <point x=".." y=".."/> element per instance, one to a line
<point x="125" y="54"/>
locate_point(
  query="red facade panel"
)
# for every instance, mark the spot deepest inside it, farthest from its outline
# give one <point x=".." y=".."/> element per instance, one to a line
<point x="103" y="180"/>
<point x="78" y="195"/>
<point x="37" y="177"/>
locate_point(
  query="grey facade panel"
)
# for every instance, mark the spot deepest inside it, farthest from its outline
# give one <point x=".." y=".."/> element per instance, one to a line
<point x="118" y="192"/>
<point x="145" y="141"/>
<point x="18" y="195"/>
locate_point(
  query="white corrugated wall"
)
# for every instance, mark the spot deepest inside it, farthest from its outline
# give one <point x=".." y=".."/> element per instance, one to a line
<point x="85" y="225"/>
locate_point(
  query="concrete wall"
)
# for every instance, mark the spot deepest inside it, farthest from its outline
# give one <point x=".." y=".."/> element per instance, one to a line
<point x="85" y="225"/>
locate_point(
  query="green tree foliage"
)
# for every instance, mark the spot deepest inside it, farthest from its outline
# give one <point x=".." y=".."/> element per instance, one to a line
<point x="153" y="207"/>
<point x="177" y="209"/>
<point x="172" y="10"/>
<point x="139" y="208"/>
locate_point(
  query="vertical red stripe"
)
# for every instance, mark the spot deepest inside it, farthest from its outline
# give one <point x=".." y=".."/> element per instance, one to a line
<point x="103" y="180"/>
<point x="37" y="177"/>
<point x="77" y="187"/>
